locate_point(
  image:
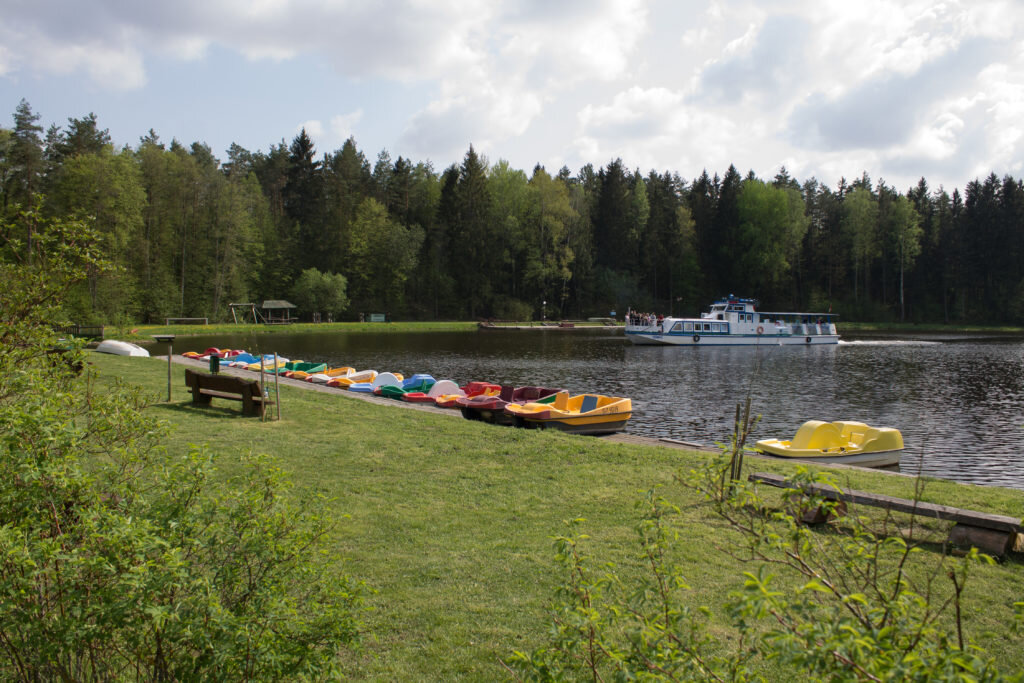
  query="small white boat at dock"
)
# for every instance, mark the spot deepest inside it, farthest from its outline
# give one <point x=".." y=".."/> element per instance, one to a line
<point x="733" y="321"/>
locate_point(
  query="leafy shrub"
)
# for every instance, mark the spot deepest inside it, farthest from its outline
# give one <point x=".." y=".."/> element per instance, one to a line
<point x="118" y="559"/>
<point x="859" y="603"/>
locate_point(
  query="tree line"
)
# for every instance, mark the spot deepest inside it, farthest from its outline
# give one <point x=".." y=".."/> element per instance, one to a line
<point x="191" y="233"/>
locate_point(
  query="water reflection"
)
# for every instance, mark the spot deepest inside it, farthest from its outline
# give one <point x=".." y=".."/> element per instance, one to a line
<point x="958" y="401"/>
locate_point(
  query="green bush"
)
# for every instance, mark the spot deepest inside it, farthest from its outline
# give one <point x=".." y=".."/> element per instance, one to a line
<point x="856" y="602"/>
<point x="508" y="308"/>
<point x="119" y="559"/>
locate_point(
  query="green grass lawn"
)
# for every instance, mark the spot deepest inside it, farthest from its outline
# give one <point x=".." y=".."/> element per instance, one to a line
<point x="450" y="521"/>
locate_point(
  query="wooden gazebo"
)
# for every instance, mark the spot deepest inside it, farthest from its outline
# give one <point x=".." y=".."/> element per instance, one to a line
<point x="278" y="312"/>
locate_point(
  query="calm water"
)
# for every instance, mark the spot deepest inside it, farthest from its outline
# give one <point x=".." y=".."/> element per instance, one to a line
<point x="959" y="401"/>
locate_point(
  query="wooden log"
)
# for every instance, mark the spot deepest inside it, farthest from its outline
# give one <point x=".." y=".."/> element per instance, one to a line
<point x="992" y="534"/>
<point x="991" y="541"/>
<point x="944" y="512"/>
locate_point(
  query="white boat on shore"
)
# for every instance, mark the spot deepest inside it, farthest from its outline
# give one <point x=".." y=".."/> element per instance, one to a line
<point x="733" y="321"/>
<point x="121" y="348"/>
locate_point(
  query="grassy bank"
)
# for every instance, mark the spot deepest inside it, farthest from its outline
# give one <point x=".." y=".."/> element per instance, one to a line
<point x="450" y="520"/>
<point x="926" y="328"/>
<point x="144" y="332"/>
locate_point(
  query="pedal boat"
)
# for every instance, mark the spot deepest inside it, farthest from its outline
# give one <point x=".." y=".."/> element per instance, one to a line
<point x="327" y="375"/>
<point x="582" y="414"/>
<point x="439" y="388"/>
<point x="419" y="383"/>
<point x="303" y="370"/>
<point x="472" y="389"/>
<point x="491" y="408"/>
<point x="345" y="381"/>
<point x="382" y="379"/>
<point x="850" y="443"/>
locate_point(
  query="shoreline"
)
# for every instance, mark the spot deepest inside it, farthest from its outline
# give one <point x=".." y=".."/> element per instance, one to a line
<point x="143" y="334"/>
<point x="618" y="437"/>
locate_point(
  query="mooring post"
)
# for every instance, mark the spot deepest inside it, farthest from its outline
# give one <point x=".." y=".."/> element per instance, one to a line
<point x="277" y="390"/>
<point x="169" y="338"/>
<point x="263" y="390"/>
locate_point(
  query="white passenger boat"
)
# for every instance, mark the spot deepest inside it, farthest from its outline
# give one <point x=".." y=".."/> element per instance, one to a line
<point x="734" y="322"/>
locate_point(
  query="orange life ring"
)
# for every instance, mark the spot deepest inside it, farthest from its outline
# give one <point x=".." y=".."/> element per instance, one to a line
<point x="760" y="329"/>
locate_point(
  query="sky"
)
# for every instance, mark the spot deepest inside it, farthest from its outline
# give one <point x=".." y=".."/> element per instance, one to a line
<point x="827" y="89"/>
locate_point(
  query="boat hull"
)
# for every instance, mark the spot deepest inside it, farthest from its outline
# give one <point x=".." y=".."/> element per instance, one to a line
<point x="874" y="459"/>
<point x="589" y="425"/>
<point x="122" y="348"/>
<point x="652" y="338"/>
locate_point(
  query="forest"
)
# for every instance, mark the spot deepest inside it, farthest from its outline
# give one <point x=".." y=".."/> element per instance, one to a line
<point x="340" y="235"/>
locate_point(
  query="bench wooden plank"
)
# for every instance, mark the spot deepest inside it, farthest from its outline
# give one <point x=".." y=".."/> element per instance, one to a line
<point x="233" y="396"/>
<point x="943" y="512"/>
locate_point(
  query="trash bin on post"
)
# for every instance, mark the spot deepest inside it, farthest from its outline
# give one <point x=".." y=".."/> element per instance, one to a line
<point x="214" y="363"/>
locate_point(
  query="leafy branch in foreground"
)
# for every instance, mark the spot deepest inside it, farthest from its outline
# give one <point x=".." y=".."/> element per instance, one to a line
<point x="857" y="600"/>
<point x="120" y="560"/>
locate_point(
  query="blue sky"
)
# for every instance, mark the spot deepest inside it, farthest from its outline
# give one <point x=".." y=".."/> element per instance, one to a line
<point x="828" y="89"/>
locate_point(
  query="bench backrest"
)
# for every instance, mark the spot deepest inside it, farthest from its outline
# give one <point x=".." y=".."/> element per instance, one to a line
<point x="225" y="383"/>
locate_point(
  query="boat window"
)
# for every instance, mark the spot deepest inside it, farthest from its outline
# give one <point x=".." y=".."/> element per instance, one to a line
<point x="707" y="327"/>
<point x="687" y="327"/>
<point x="677" y="327"/>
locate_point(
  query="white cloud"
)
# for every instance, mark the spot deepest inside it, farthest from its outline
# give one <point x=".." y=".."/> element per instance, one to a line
<point x="6" y="61"/>
<point x="829" y="88"/>
<point x="313" y="128"/>
<point x="111" y="68"/>
<point x="343" y="125"/>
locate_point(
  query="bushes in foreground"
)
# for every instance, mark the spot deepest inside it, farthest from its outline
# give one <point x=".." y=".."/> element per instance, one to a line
<point x="119" y="559"/>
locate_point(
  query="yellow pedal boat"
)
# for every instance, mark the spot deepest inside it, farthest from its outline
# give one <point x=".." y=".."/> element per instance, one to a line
<point x="345" y="381"/>
<point x="582" y="414"/>
<point x="851" y="443"/>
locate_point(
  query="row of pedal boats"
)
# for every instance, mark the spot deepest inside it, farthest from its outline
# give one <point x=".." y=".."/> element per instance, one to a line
<point x="844" y="442"/>
<point x="523" y="406"/>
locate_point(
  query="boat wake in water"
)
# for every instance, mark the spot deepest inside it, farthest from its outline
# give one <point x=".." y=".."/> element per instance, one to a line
<point x="887" y="342"/>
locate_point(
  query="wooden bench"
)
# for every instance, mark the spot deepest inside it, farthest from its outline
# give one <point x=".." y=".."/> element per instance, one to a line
<point x="205" y="386"/>
<point x="993" y="534"/>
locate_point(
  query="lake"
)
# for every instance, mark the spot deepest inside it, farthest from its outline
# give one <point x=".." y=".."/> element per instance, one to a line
<point x="958" y="400"/>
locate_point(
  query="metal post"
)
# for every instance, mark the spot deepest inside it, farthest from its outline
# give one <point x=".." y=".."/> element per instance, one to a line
<point x="277" y="390"/>
<point x="169" y="339"/>
<point x="263" y="390"/>
<point x="170" y="354"/>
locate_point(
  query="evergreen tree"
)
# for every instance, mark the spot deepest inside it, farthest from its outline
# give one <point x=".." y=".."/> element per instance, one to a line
<point x="302" y="198"/>
<point x="25" y="166"/>
<point x="727" y="234"/>
<point x="472" y="238"/>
